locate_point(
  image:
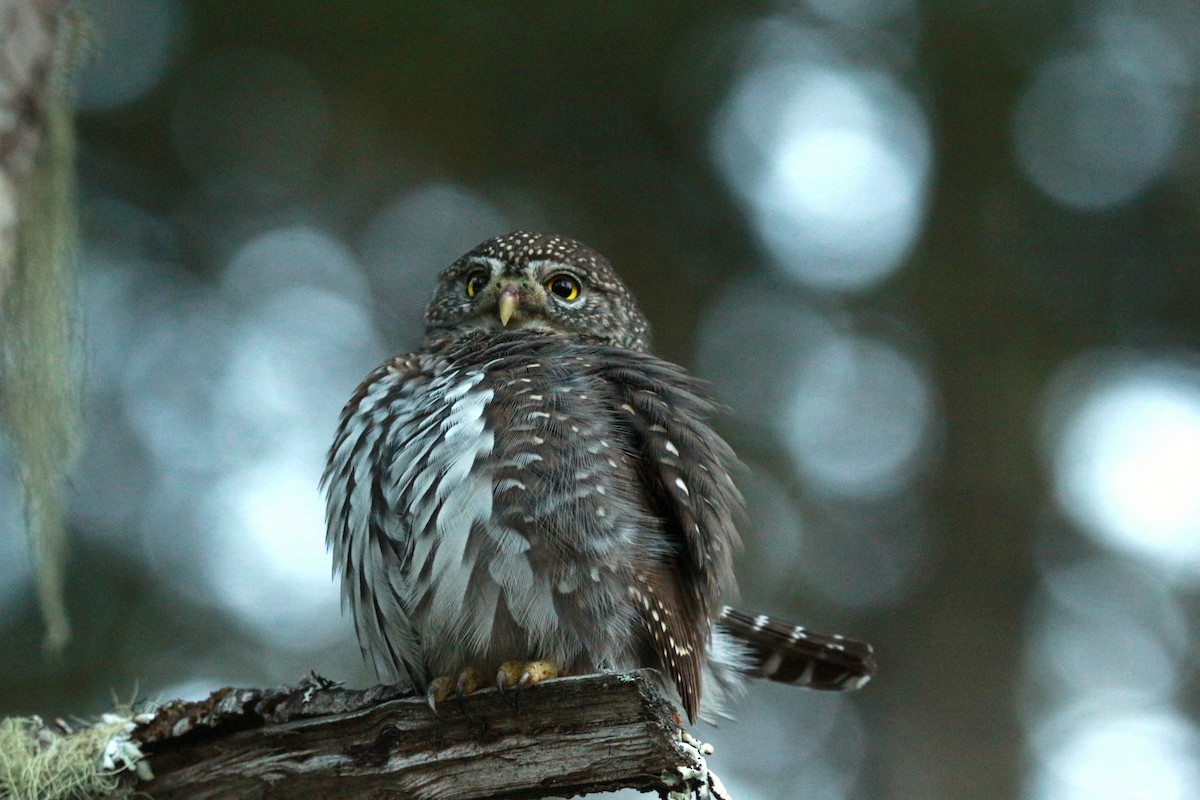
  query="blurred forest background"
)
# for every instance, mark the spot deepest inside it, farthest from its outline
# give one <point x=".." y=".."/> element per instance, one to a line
<point x="941" y="259"/>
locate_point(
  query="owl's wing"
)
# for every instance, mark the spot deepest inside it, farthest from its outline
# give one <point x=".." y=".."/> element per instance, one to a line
<point x="371" y="543"/>
<point x="684" y="466"/>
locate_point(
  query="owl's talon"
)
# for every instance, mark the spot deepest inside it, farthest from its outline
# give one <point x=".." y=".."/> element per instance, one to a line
<point x="520" y="675"/>
<point x="509" y="674"/>
<point x="439" y="689"/>
<point x="508" y="677"/>
<point x="537" y="671"/>
<point x="469" y="681"/>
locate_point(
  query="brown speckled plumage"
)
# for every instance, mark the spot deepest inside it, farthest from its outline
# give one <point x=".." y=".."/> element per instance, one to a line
<point x="534" y="484"/>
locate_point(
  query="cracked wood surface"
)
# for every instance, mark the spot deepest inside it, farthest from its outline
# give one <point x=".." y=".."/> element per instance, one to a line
<point x="569" y="736"/>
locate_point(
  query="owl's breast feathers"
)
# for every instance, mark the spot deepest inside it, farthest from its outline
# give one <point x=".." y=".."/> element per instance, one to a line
<point x="526" y="486"/>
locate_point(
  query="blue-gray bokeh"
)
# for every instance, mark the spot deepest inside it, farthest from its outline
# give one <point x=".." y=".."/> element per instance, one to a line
<point x="941" y="261"/>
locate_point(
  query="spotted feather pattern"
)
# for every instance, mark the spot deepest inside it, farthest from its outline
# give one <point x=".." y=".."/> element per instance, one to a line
<point x="686" y="466"/>
<point x="547" y="490"/>
<point x="787" y="653"/>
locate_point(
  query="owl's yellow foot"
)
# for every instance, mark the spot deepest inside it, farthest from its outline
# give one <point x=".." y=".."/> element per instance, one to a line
<point x="520" y="675"/>
<point x="442" y="687"/>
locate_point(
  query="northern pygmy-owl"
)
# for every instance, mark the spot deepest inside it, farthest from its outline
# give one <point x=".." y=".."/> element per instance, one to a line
<point x="533" y="487"/>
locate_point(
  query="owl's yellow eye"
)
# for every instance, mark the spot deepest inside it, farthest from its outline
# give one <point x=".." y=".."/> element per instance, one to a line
<point x="564" y="286"/>
<point x="476" y="281"/>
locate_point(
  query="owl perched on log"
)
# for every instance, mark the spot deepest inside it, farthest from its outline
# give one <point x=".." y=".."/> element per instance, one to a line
<point x="533" y="493"/>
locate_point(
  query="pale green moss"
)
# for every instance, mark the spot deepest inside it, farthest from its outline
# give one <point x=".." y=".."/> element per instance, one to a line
<point x="40" y="364"/>
<point x="38" y="763"/>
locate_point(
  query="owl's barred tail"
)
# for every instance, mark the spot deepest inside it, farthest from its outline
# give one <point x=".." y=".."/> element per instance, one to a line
<point x="786" y="653"/>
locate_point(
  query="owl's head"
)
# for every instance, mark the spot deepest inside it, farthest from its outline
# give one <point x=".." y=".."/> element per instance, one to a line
<point x="540" y="282"/>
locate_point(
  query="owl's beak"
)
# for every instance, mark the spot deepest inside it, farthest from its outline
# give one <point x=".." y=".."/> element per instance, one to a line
<point x="507" y="303"/>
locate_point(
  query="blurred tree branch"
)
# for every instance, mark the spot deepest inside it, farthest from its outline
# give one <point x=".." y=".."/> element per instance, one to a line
<point x="28" y="46"/>
<point x="570" y="736"/>
<point x="39" y="363"/>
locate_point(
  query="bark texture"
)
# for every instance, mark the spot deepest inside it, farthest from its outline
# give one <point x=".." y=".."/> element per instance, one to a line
<point x="567" y="737"/>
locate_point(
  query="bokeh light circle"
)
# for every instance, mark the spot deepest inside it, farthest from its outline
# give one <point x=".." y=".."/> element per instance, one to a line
<point x="784" y="329"/>
<point x="1123" y="436"/>
<point x="1117" y="755"/>
<point x="860" y="417"/>
<point x="289" y="257"/>
<point x="137" y="42"/>
<point x="1107" y="625"/>
<point x="1095" y="127"/>
<point x="831" y="162"/>
<point x="267" y="562"/>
